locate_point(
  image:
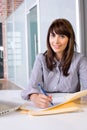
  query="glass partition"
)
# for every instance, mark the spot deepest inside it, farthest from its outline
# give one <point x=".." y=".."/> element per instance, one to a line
<point x="17" y="47"/>
<point x="32" y="36"/>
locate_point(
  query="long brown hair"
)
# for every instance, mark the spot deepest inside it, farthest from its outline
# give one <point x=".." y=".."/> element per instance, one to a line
<point x="61" y="26"/>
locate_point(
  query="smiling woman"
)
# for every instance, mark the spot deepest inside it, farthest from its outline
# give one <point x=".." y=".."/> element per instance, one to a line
<point x="58" y="43"/>
<point x="60" y="68"/>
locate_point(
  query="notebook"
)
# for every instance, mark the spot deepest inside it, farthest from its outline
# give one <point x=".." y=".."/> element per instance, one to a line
<point x="8" y="106"/>
<point x="68" y="105"/>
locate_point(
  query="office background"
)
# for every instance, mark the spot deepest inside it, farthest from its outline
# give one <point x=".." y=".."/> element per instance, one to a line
<point x="23" y="30"/>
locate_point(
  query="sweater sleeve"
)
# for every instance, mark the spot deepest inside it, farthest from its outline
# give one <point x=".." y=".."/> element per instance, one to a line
<point x="83" y="73"/>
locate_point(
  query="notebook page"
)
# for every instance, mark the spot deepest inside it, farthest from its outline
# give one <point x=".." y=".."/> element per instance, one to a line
<point x="70" y="107"/>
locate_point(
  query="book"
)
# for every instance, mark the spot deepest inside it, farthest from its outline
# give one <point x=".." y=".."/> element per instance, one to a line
<point x="67" y="105"/>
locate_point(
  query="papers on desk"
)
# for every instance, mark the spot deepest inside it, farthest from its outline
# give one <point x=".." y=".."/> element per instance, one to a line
<point x="62" y="105"/>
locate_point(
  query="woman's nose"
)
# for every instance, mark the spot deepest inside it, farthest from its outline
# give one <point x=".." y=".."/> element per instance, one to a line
<point x="57" y="40"/>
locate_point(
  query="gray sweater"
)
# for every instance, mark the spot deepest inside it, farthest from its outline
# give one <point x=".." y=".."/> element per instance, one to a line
<point x="55" y="81"/>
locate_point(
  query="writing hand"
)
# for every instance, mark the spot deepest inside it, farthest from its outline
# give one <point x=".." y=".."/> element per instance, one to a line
<point x="41" y="100"/>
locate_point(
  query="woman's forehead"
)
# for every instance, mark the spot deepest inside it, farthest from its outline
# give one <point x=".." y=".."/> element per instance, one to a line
<point x="57" y="31"/>
<point x="60" y="31"/>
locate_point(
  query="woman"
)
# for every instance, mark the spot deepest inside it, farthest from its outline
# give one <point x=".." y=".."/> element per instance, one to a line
<point x="60" y="68"/>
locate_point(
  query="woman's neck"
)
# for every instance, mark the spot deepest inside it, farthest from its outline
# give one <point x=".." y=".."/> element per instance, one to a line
<point x="58" y="57"/>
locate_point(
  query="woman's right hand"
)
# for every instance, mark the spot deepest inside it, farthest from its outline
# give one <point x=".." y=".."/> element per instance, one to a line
<point x="41" y="100"/>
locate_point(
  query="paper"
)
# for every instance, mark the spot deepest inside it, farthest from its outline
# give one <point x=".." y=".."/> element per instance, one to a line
<point x="69" y="107"/>
<point x="66" y="105"/>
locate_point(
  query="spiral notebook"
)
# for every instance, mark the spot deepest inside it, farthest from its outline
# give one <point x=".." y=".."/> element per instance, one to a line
<point x="67" y="105"/>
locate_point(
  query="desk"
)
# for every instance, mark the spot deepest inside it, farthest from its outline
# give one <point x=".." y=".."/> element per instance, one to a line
<point x="6" y="84"/>
<point x="19" y="121"/>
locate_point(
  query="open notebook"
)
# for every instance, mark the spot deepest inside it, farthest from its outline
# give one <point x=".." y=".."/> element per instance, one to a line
<point x="8" y="106"/>
<point x="67" y="105"/>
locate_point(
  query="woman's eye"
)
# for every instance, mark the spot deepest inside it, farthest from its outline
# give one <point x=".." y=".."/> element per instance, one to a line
<point x="63" y="36"/>
<point x="52" y="35"/>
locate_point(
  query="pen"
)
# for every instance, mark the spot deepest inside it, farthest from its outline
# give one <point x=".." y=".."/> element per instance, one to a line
<point x="44" y="92"/>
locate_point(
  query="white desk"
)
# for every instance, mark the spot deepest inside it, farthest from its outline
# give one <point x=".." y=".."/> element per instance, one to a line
<point x="19" y="121"/>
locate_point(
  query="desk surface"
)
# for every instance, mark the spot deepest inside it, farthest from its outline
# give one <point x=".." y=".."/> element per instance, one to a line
<point x="20" y="121"/>
<point x="6" y="84"/>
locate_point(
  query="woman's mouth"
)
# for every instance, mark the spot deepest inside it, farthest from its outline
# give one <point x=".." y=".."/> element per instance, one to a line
<point x="57" y="47"/>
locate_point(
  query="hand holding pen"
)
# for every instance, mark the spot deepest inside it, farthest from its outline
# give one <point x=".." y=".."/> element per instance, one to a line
<point x="41" y="100"/>
<point x="44" y="92"/>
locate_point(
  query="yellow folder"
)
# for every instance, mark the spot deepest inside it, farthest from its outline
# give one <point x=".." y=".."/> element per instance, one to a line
<point x="67" y="106"/>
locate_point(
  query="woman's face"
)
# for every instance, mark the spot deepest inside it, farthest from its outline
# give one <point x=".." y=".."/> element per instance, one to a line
<point x="58" y="43"/>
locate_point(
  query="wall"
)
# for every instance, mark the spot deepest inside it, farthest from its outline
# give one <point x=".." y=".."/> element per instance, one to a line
<point x="30" y="3"/>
